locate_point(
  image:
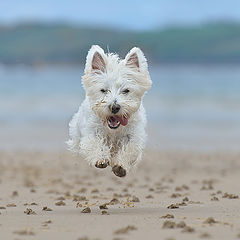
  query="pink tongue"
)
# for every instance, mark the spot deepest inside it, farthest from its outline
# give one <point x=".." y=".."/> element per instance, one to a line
<point x="122" y="120"/>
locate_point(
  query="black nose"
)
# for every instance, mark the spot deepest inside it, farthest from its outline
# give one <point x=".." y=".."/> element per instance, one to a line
<point x="114" y="108"/>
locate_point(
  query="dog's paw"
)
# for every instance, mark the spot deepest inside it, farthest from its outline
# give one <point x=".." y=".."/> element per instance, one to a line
<point x="119" y="171"/>
<point x="102" y="164"/>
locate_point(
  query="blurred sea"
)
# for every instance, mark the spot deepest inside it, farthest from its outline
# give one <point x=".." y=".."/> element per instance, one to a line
<point x="188" y="107"/>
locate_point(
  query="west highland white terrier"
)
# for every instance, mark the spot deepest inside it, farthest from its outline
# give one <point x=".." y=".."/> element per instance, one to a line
<point x="109" y="127"/>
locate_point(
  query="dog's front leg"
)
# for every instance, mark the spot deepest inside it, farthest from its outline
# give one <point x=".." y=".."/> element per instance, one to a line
<point x="127" y="156"/>
<point x="95" y="151"/>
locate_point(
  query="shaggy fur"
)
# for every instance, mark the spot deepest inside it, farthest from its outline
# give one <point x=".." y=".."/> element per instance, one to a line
<point x="109" y="127"/>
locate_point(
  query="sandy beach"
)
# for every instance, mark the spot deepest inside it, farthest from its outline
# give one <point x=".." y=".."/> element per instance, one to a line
<point x="171" y="195"/>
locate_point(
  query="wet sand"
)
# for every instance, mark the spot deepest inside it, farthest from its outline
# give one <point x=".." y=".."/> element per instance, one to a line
<point x="171" y="195"/>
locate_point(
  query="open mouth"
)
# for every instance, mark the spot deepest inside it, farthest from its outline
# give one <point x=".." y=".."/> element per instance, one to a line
<point x="115" y="121"/>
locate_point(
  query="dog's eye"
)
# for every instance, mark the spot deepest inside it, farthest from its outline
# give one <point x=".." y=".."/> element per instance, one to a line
<point x="125" y="91"/>
<point x="103" y="90"/>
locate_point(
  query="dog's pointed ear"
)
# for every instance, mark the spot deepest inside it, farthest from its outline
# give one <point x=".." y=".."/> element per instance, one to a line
<point x="96" y="60"/>
<point x="135" y="59"/>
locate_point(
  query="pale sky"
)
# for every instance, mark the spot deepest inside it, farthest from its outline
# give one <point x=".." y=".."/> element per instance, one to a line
<point x="123" y="14"/>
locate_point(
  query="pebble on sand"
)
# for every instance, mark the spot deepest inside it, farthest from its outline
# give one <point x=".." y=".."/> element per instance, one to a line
<point x="60" y="203"/>
<point x="86" y="210"/>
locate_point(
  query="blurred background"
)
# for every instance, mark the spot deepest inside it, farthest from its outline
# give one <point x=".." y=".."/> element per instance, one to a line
<point x="193" y="50"/>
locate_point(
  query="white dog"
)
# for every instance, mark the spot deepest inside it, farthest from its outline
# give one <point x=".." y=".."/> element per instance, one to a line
<point x="109" y="127"/>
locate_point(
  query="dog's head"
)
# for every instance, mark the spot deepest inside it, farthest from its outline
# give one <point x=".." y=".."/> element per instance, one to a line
<point x="115" y="87"/>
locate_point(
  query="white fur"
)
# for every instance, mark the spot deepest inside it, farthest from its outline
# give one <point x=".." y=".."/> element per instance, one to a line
<point x="89" y="133"/>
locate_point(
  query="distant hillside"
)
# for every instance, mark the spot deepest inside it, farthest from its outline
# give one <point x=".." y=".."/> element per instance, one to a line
<point x="59" y="43"/>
